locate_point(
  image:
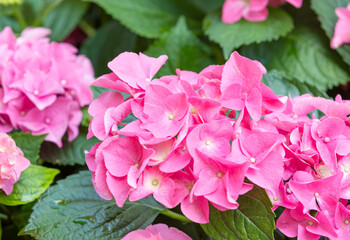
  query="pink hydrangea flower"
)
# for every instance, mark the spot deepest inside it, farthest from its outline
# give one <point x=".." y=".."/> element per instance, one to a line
<point x="157" y="232"/>
<point x="253" y="10"/>
<point x="12" y="163"/>
<point x="197" y="136"/>
<point x="342" y="30"/>
<point x="43" y="84"/>
<point x="277" y="3"/>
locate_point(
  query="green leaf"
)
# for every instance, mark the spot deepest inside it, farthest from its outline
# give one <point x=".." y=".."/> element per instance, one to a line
<point x="232" y="36"/>
<point x="71" y="153"/>
<point x="29" y="144"/>
<point x="32" y="183"/>
<point x="282" y="85"/>
<point x="301" y="55"/>
<point x="326" y="14"/>
<point x="254" y="219"/>
<point x="64" y="18"/>
<point x="34" y="11"/>
<point x="108" y="41"/>
<point x="207" y="5"/>
<point x="73" y="210"/>
<point x="148" y="18"/>
<point x="184" y="49"/>
<point x="8" y="21"/>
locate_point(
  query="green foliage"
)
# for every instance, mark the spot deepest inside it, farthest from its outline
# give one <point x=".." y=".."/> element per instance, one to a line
<point x="29" y="144"/>
<point x="64" y="18"/>
<point x="282" y="85"/>
<point x="108" y="41"/>
<point x="73" y="210"/>
<point x="301" y="55"/>
<point x="207" y="5"/>
<point x="326" y="14"/>
<point x="149" y="18"/>
<point x="8" y="21"/>
<point x="34" y="11"/>
<point x="253" y="219"/>
<point x="184" y="49"/>
<point x="232" y="36"/>
<point x="33" y="182"/>
<point x="70" y="154"/>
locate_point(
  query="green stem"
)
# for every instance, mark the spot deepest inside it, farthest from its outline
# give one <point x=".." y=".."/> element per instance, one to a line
<point x="87" y="28"/>
<point x="20" y="19"/>
<point x="176" y="216"/>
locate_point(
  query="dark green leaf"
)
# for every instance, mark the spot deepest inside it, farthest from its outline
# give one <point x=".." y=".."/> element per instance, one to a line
<point x="34" y="11"/>
<point x="301" y="55"/>
<point x="64" y="18"/>
<point x="32" y="183"/>
<point x="9" y="21"/>
<point x="232" y="36"/>
<point x="281" y="85"/>
<point x="108" y="41"/>
<point x="208" y="5"/>
<point x="73" y="210"/>
<point x="184" y="49"/>
<point x="20" y="215"/>
<point x="29" y="144"/>
<point x="253" y="219"/>
<point x="148" y="18"/>
<point x="326" y="14"/>
<point x="70" y="154"/>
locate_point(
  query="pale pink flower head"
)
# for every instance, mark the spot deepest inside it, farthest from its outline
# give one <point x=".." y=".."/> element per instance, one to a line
<point x="251" y="10"/>
<point x="136" y="70"/>
<point x="37" y="78"/>
<point x="277" y="3"/>
<point x="342" y="30"/>
<point x="157" y="232"/>
<point x="12" y="163"/>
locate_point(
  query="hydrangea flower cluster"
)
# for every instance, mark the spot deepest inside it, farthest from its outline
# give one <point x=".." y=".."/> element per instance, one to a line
<point x="185" y="147"/>
<point x="251" y="10"/>
<point x="198" y="136"/>
<point x="342" y="29"/>
<point x="316" y="186"/>
<point x="43" y="84"/>
<point x="12" y="163"/>
<point x="157" y="232"/>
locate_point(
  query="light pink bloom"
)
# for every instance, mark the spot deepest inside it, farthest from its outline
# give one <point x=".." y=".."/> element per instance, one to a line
<point x="157" y="232"/>
<point x="97" y="110"/>
<point x="242" y="88"/>
<point x="136" y="70"/>
<point x="36" y="75"/>
<point x="154" y="182"/>
<point x="296" y="223"/>
<point x="315" y="193"/>
<point x="342" y="30"/>
<point x="166" y="111"/>
<point x="342" y="221"/>
<point x="253" y="10"/>
<point x="12" y="163"/>
<point x="277" y="3"/>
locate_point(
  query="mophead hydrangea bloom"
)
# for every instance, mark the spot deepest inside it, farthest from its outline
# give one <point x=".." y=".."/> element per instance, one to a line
<point x="157" y="232"/>
<point x="12" y="163"/>
<point x="251" y="10"/>
<point x="43" y="84"/>
<point x="342" y="29"/>
<point x="200" y="138"/>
